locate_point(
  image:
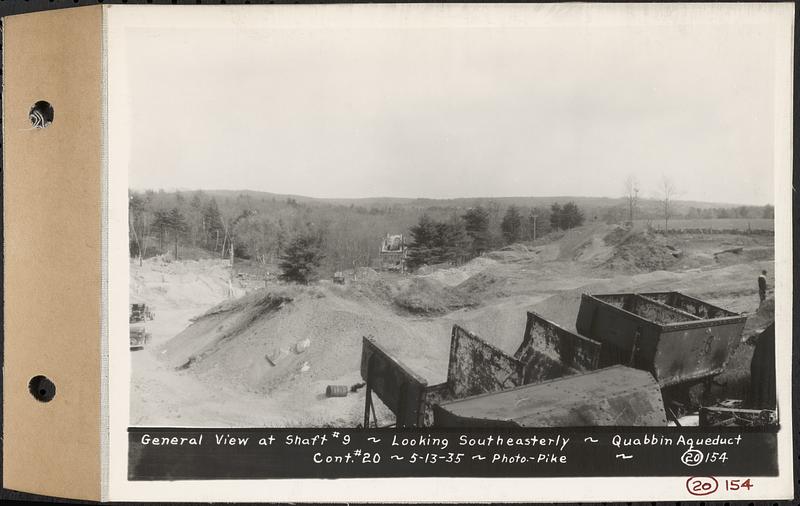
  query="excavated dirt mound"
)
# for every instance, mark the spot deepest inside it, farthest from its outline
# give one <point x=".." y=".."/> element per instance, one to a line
<point x="219" y="325"/>
<point x="456" y="275"/>
<point x="585" y="244"/>
<point x="513" y="253"/>
<point x="189" y="283"/>
<point x="366" y="274"/>
<point x="424" y="296"/>
<point x="641" y="251"/>
<point x="483" y="283"/>
<point x="617" y="235"/>
<point x="282" y="340"/>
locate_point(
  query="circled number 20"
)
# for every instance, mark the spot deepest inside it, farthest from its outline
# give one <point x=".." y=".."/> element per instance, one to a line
<point x="707" y="485"/>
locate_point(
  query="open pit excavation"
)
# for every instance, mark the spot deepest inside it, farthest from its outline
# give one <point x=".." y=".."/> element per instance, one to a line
<point x="233" y="351"/>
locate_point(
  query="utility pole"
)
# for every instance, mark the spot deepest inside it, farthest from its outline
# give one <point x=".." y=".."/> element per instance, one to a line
<point x="633" y="203"/>
<point x="632" y="195"/>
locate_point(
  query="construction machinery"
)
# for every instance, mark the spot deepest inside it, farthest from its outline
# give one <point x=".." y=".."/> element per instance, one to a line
<point x="393" y="253"/>
<point x="630" y="355"/>
<point x="138" y="317"/>
<point x="140" y="312"/>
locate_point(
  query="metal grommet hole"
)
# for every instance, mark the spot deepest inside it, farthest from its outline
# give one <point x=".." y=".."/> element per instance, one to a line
<point x="42" y="389"/>
<point x="41" y="114"/>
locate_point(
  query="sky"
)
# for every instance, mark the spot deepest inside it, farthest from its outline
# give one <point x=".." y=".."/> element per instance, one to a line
<point x="421" y="107"/>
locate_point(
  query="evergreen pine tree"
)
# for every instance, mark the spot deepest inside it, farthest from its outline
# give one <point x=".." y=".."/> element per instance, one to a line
<point x="572" y="216"/>
<point x="177" y="223"/>
<point x="476" y="223"/>
<point x="426" y="243"/>
<point x="511" y="225"/>
<point x="556" y="216"/>
<point x="301" y="258"/>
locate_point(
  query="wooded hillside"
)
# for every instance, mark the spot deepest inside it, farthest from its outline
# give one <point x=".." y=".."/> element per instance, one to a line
<point x="259" y="226"/>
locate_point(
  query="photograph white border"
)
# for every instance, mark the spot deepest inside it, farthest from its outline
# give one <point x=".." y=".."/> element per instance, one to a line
<point x="119" y="18"/>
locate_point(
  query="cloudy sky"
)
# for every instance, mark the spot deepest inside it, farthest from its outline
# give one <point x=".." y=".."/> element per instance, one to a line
<point x="411" y="105"/>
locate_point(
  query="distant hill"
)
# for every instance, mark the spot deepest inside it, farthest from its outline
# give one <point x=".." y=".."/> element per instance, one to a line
<point x="589" y="203"/>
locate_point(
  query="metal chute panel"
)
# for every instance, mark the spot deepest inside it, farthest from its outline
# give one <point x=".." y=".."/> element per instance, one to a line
<point x="549" y="351"/>
<point x="614" y="396"/>
<point x="626" y="337"/>
<point x="693" y="306"/>
<point x="673" y="343"/>
<point x="432" y="396"/>
<point x="477" y="367"/>
<point x="445" y="417"/>
<point x="655" y="311"/>
<point x="396" y="385"/>
<point x="690" y="352"/>
<point x="606" y="321"/>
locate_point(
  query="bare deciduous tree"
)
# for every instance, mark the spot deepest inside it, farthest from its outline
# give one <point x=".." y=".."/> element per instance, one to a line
<point x="667" y="192"/>
<point x="138" y="226"/>
<point x="631" y="195"/>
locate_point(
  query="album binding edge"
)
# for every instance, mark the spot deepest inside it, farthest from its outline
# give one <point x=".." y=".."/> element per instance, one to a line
<point x="53" y="230"/>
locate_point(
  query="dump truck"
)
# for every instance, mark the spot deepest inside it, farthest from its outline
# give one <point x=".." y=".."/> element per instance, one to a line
<point x="141" y="312"/>
<point x="138" y="317"/>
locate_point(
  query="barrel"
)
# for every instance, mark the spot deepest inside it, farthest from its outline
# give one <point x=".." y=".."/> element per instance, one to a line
<point x="336" y="391"/>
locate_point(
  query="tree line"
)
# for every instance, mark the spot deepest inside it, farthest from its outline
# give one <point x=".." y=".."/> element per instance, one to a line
<point x="468" y="235"/>
<point x="190" y="224"/>
<point x="273" y="231"/>
<point x="664" y="206"/>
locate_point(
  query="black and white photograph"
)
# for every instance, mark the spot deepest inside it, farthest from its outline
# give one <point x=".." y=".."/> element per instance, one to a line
<point x="398" y="253"/>
<point x="452" y="227"/>
<point x="427" y="226"/>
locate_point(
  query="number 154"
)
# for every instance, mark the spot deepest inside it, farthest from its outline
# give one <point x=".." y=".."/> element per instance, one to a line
<point x="737" y="484"/>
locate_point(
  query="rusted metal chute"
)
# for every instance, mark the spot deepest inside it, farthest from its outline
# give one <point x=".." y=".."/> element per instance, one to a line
<point x="661" y="343"/>
<point x="617" y="395"/>
<point x="394" y="383"/>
